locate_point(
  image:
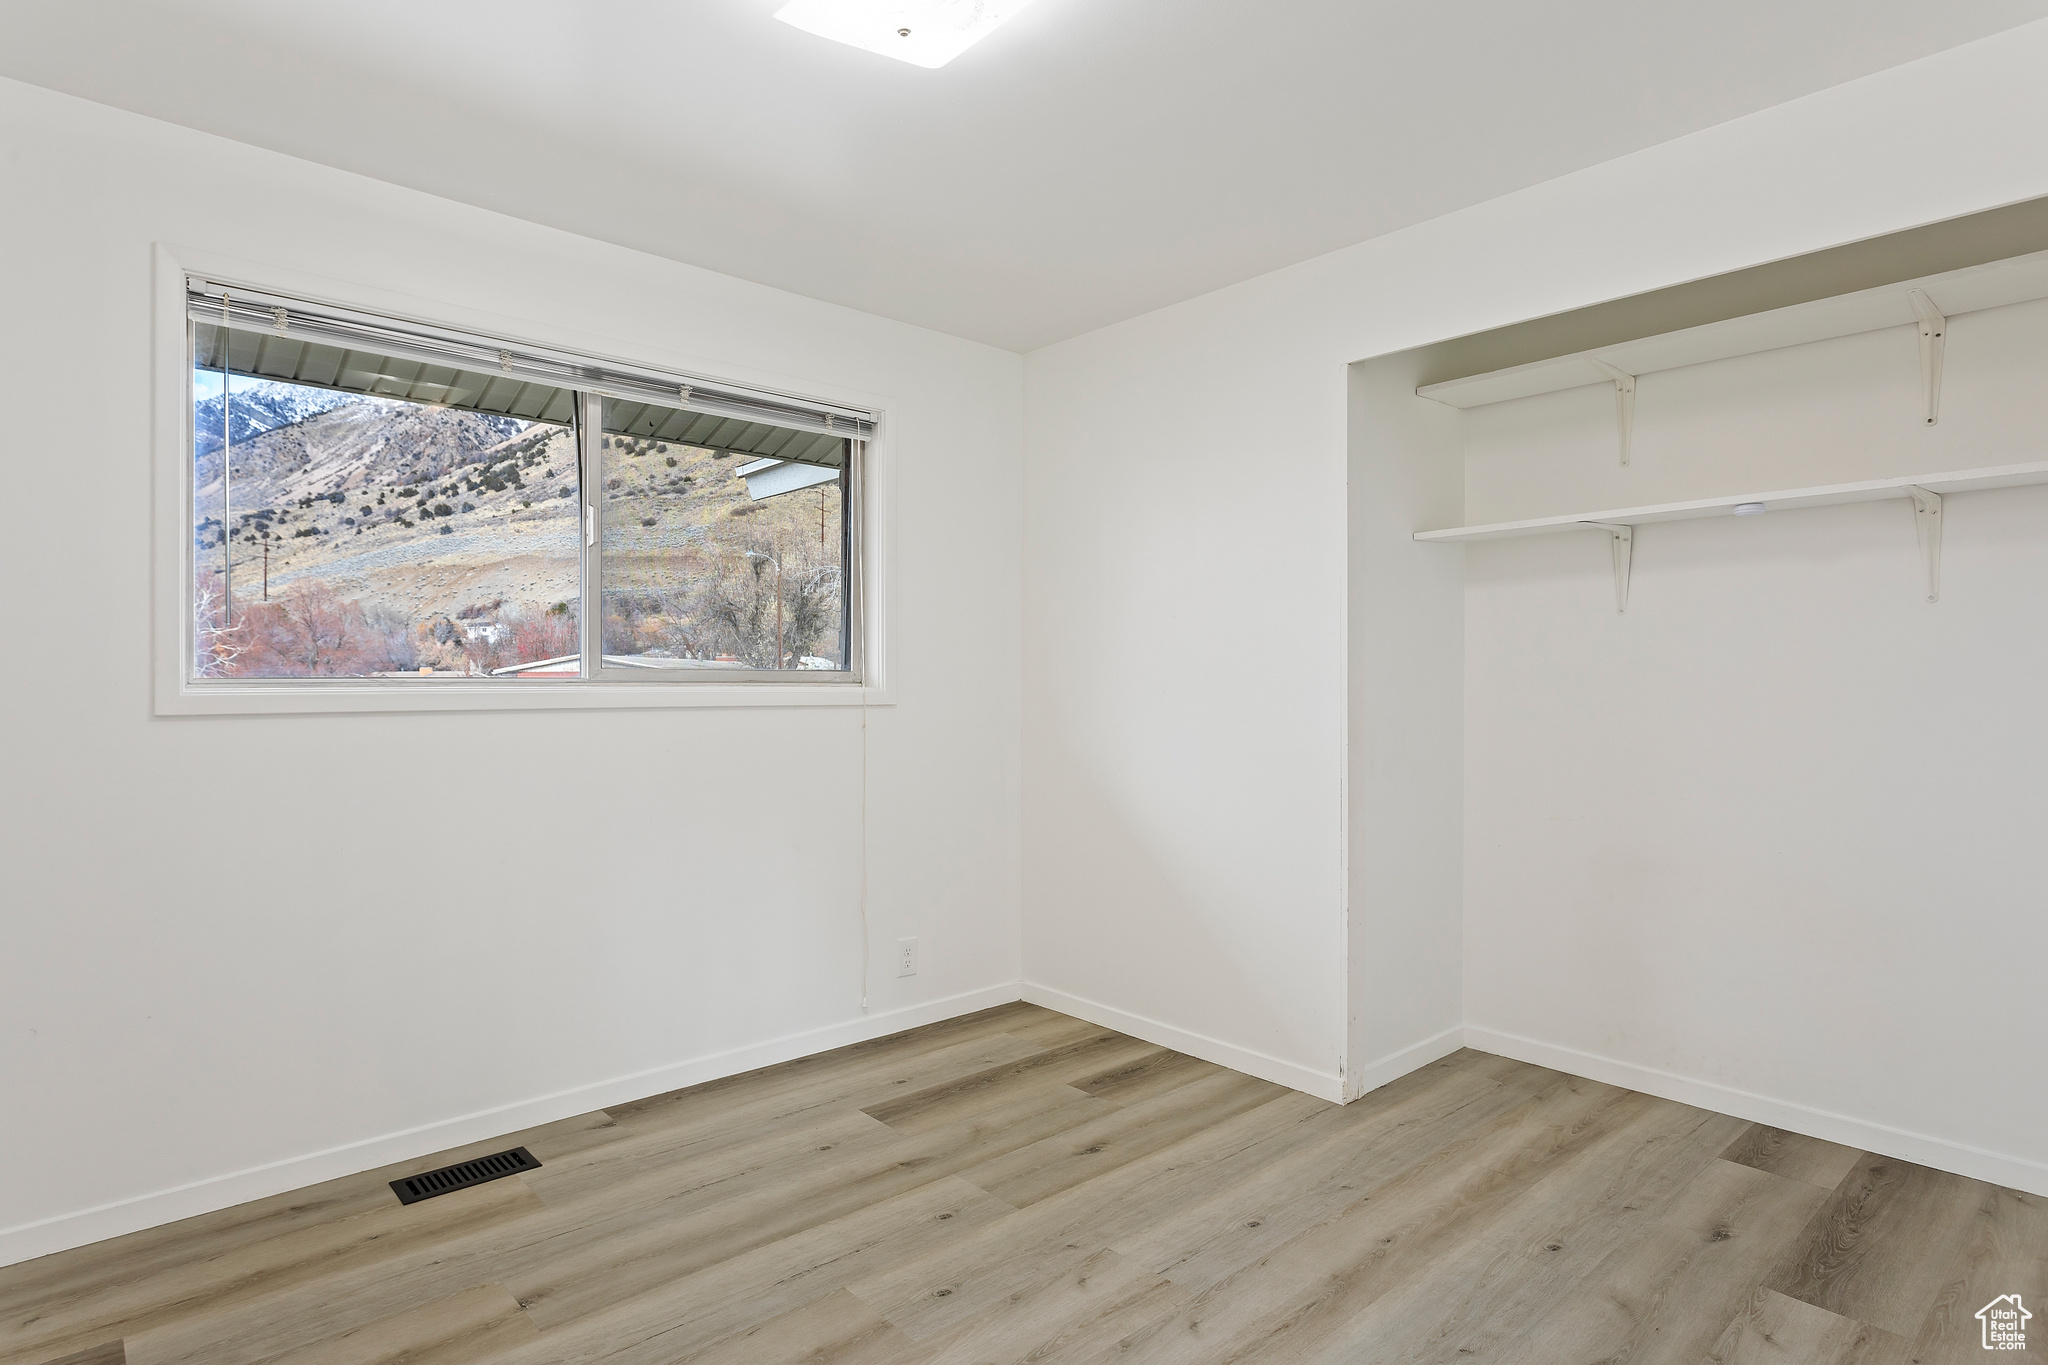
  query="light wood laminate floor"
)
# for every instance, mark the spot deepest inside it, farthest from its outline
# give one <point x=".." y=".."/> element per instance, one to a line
<point x="1017" y="1186"/>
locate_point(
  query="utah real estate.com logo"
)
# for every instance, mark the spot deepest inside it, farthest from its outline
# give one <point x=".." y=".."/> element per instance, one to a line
<point x="2005" y="1323"/>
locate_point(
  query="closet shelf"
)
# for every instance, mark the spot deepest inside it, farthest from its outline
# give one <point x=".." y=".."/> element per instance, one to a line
<point x="1825" y="495"/>
<point x="1957" y="291"/>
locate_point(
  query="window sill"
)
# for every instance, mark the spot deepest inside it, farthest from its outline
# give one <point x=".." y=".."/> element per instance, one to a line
<point x="253" y="699"/>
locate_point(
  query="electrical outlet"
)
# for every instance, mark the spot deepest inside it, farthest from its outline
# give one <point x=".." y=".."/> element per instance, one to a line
<point x="906" y="957"/>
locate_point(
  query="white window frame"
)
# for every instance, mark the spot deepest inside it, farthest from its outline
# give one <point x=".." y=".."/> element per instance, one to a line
<point x="176" y="693"/>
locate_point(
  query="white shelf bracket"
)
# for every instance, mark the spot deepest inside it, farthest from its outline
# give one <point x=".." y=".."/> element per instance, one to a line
<point x="1622" y="539"/>
<point x="1624" y="403"/>
<point x="1933" y="333"/>
<point x="1927" y="528"/>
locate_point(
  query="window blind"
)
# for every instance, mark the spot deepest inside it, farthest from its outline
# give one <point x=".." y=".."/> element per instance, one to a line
<point x="272" y="336"/>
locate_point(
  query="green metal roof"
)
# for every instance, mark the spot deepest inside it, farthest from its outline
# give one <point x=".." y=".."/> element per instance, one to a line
<point x="290" y="359"/>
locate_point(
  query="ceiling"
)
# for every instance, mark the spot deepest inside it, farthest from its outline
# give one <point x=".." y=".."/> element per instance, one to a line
<point x="1089" y="161"/>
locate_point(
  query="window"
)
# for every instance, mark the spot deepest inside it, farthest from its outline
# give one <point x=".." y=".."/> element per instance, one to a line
<point x="376" y="501"/>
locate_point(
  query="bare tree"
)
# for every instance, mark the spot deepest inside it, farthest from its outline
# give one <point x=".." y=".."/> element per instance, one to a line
<point x="544" y="635"/>
<point x="307" y="631"/>
<point x="216" y="643"/>
<point x="766" y="600"/>
<point x="388" y="642"/>
<point x="525" y="638"/>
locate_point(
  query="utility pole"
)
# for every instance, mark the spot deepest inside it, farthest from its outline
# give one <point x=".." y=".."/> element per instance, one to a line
<point x="266" y="571"/>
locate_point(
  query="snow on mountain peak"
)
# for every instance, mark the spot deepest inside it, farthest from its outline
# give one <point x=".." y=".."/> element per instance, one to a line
<point x="260" y="407"/>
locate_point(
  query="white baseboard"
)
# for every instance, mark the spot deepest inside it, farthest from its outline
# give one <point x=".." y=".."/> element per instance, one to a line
<point x="27" y="1241"/>
<point x="1293" y="1075"/>
<point x="1958" y="1158"/>
<point x="1392" y="1067"/>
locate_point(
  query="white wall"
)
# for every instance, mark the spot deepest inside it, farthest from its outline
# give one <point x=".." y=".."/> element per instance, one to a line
<point x="234" y="945"/>
<point x="1186" y="576"/>
<point x="1776" y="830"/>
<point x="1405" y="723"/>
<point x="1184" y="780"/>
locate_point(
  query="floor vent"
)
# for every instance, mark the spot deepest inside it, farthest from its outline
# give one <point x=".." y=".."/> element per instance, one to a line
<point x="463" y="1174"/>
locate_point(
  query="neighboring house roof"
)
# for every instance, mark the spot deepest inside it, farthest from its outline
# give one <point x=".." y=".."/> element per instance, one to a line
<point x="771" y="478"/>
<point x="567" y="663"/>
<point x="571" y="663"/>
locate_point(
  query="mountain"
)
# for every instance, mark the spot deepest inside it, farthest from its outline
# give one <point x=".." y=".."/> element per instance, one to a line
<point x="291" y="442"/>
<point x="258" y="408"/>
